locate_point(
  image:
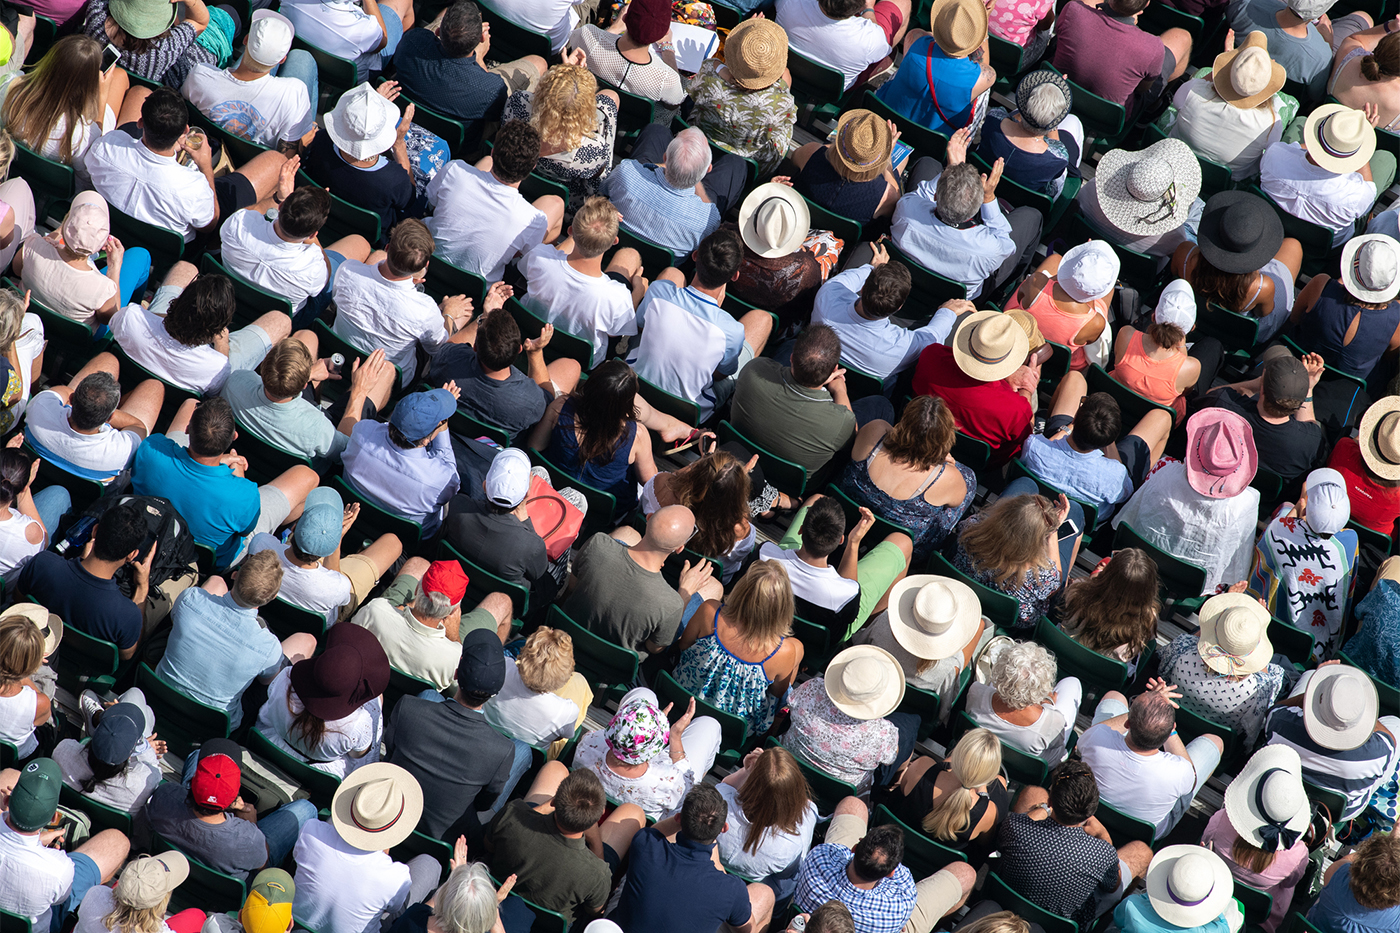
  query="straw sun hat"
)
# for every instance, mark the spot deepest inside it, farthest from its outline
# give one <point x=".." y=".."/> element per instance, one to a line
<point x="1245" y="76"/>
<point x="1189" y="886"/>
<point x="756" y="53"/>
<point x="989" y="345"/>
<point x="377" y="806"/>
<point x="1233" y="638"/>
<point x="933" y="617"/>
<point x="1379" y="437"/>
<point x="959" y="27"/>
<point x="862" y="147"/>
<point x="1266" y="803"/>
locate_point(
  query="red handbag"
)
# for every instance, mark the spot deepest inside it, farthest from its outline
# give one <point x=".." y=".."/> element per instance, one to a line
<point x="556" y="520"/>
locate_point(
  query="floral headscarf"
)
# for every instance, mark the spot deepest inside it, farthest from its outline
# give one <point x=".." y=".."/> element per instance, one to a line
<point x="638" y="732"/>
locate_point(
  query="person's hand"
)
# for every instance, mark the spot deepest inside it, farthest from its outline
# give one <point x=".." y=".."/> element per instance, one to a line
<point x="406" y="122"/>
<point x="458" y="309"/>
<point x="535" y="344"/>
<point x="371" y="370"/>
<point x="503" y="891"/>
<point x="957" y="147"/>
<point x="496" y="297"/>
<point x="389" y="90"/>
<point x="863" y="524"/>
<point x="1229" y="40"/>
<point x="321" y="371"/>
<point x="575" y="57"/>
<point x="484" y="46"/>
<point x="838" y="376"/>
<point x="880" y="254"/>
<point x="115" y="250"/>
<point x="157" y="744"/>
<point x="894" y="132"/>
<point x="989" y="182"/>
<point x="201" y="155"/>
<point x="1373" y="113"/>
<point x="33" y="468"/>
<point x="958" y="305"/>
<point x="52" y="838"/>
<point x="26" y="300"/>
<point x="753" y="462"/>
<point x="287" y="178"/>
<point x="1062" y="509"/>
<point x="1168" y="691"/>
<point x="451" y="388"/>
<point x="1237" y="587"/>
<point x="352" y="512"/>
<point x="1312" y="362"/>
<point x="239" y="465"/>
<point x="694" y="577"/>
<point x="459" y="853"/>
<point x="680" y="725"/>
<point x="751" y="758"/>
<point x="141" y="569"/>
<point x="782" y="180"/>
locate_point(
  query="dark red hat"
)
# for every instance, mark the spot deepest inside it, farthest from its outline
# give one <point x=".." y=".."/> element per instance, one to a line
<point x="351" y="671"/>
<point x="648" y="20"/>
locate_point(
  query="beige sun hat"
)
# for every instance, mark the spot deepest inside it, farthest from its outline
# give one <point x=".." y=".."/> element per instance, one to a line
<point x="1379" y="437"/>
<point x="756" y="53"/>
<point x="1371" y="267"/>
<point x="989" y="345"/>
<point x="865" y="682"/>
<point x="377" y="806"/>
<point x="862" y="147"/>
<point x="1266" y="803"/>
<point x="1233" y="637"/>
<point x="1340" y="706"/>
<point x="1339" y="138"/>
<point x="933" y="617"/>
<point x="1189" y="886"/>
<point x="959" y="27"/>
<point x="1245" y="76"/>
<point x="773" y="220"/>
<point x="50" y="625"/>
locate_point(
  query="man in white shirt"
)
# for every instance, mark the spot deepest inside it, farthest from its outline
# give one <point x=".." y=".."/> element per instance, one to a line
<point x="136" y="170"/>
<point x="852" y="36"/>
<point x="570" y="288"/>
<point x="274" y="112"/>
<point x="79" y="428"/>
<point x="553" y="18"/>
<point x="407" y="466"/>
<point x="364" y="31"/>
<point x="377" y="306"/>
<point x="480" y="220"/>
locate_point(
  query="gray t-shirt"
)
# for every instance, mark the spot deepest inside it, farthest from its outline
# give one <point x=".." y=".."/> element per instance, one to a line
<point x="1307" y="61"/>
<point x="234" y="846"/>
<point x="619" y="600"/>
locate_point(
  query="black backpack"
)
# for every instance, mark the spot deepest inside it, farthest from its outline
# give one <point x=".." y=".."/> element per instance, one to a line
<point x="166" y="528"/>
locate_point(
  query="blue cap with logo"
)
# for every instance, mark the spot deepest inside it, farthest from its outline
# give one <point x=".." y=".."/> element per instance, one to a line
<point x="418" y="415"/>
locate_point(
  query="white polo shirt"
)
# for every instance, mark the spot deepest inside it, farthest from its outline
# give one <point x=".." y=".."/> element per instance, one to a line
<point x="340" y="887"/>
<point x="479" y="223"/>
<point x="595" y="309"/>
<point x="554" y="18"/>
<point x="318" y="588"/>
<point x="373" y="312"/>
<point x="266" y="110"/>
<point x="340" y="27"/>
<point x="99" y="456"/>
<point x="142" y="335"/>
<point x="252" y="248"/>
<point x="849" y="45"/>
<point x="32" y="878"/>
<point x="152" y="188"/>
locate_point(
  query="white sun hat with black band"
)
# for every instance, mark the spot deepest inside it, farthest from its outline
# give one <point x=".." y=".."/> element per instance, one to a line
<point x="1339" y="138"/>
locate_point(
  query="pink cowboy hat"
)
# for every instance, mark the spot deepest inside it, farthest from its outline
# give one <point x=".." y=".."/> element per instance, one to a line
<point x="1220" y="454"/>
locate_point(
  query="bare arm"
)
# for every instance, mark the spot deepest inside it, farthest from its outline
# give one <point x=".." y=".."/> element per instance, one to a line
<point x="539" y="437"/>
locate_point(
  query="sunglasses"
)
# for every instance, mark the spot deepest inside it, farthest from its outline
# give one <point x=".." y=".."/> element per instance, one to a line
<point x="1164" y="209"/>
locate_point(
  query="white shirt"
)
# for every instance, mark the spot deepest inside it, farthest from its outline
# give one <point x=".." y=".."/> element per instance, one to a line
<point x="534" y="718"/>
<point x="142" y="335"/>
<point x="412" y="647"/>
<point x="340" y="27"/>
<point x="84" y="136"/>
<point x="97" y="904"/>
<point x="32" y="877"/>
<point x="880" y="348"/>
<point x="1214" y="534"/>
<point x="267" y="110"/>
<point x="150" y="187"/>
<point x="362" y="729"/>
<point x="479" y="223"/>
<point x="99" y="456"/>
<point x="1221" y="131"/>
<point x="588" y="307"/>
<point x="318" y="588"/>
<point x="1143" y="786"/>
<point x="374" y="312"/>
<point x="415" y="484"/>
<point x="342" y="889"/>
<point x="17" y="720"/>
<point x="252" y="248"/>
<point x="15" y="549"/>
<point x="554" y="18"/>
<point x="776" y="852"/>
<point x="821" y="586"/>
<point x="1312" y="193"/>
<point x="849" y="45"/>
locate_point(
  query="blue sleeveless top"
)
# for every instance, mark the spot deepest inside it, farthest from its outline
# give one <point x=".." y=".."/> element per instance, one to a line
<point x="953" y="81"/>
<point x="614" y="475"/>
<point x="930" y="523"/>
<point x="708" y="670"/>
<point x="1324" y="328"/>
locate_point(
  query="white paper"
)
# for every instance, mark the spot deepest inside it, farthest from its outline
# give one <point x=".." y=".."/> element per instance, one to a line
<point x="694" y="44"/>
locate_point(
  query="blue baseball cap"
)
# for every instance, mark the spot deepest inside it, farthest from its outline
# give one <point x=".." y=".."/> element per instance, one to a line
<point x="318" y="530"/>
<point x="418" y="415"/>
<point x="117" y="734"/>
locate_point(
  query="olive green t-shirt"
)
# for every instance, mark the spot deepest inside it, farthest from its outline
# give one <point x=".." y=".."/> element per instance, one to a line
<point x="553" y="871"/>
<point x="803" y="425"/>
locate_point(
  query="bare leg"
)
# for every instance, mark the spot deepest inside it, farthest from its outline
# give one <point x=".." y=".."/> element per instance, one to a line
<point x="501" y="609"/>
<point x="711" y="589"/>
<point x="262" y="171"/>
<point x="181" y="422"/>
<point x="383" y="552"/>
<point x="144" y="402"/>
<point x="621" y="825"/>
<point x="295" y="484"/>
<point x="547" y="783"/>
<point x="353" y="246"/>
<point x="101" y="363"/>
<point x="181" y="274"/>
<point x="626" y="261"/>
<point x="552" y="207"/>
<point x="904" y="8"/>
<point x="1154" y="428"/>
<point x="405" y="10"/>
<point x="761" y="905"/>
<point x="758" y="325"/>
<point x="669" y="428"/>
<point x="109" y="850"/>
<point x="129" y="110"/>
<point x="299" y="647"/>
<point x="1179" y="41"/>
<point x="803" y="153"/>
<point x="276" y="324"/>
<point x="118" y="83"/>
<point x="1136" y="855"/>
<point x="673" y="275"/>
<point x="1068" y="394"/>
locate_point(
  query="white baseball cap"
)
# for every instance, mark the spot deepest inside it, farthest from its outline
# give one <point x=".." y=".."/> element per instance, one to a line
<point x="1088" y="271"/>
<point x="269" y="37"/>
<point x="1177" y="306"/>
<point x="1329" y="506"/>
<point x="508" y="480"/>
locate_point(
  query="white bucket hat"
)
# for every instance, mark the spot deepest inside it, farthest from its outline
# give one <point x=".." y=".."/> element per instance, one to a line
<point x="1149" y="191"/>
<point x="1189" y="886"/>
<point x="1371" y="267"/>
<point x="933" y="617"/>
<point x="1177" y="306"/>
<point x="773" y="220"/>
<point x="1234" y="638"/>
<point x="1088" y="271"/>
<point x="363" y="122"/>
<point x="377" y="806"/>
<point x="1339" y="707"/>
<point x="865" y="682"/>
<point x="1266" y="803"/>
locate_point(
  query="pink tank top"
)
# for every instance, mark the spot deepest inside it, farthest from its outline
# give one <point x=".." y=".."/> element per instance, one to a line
<point x="1155" y="379"/>
<point x="1059" y="327"/>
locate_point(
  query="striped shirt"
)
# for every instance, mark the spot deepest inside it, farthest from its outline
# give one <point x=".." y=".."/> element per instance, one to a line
<point x="1355" y="772"/>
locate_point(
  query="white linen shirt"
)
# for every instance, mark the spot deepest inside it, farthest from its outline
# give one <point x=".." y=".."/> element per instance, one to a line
<point x="554" y="18"/>
<point x="373" y="312"/>
<point x="592" y="308"/>
<point x="479" y="223"/>
<point x="849" y="45"/>
<point x="1311" y="192"/>
<point x="966" y="256"/>
<point x="32" y="877"/>
<point x="1223" y="132"/>
<point x="880" y="348"/>
<point x="342" y="889"/>
<point x="251" y="247"/>
<point x="340" y="27"/>
<point x="150" y="187"/>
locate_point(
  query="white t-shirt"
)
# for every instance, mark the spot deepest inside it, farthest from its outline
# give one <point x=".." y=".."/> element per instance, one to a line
<point x="252" y="248"/>
<point x="267" y="110"/>
<point x="84" y="136"/>
<point x="340" y="27"/>
<point x="340" y="887"/>
<point x="373" y="312"/>
<point x="153" y="188"/>
<point x="17" y="720"/>
<point x="142" y="335"/>
<point x="480" y="223"/>
<point x="318" y="589"/>
<point x="821" y="586"/>
<point x="593" y="308"/>
<point x="15" y="549"/>
<point x="776" y="851"/>
<point x="849" y="45"/>
<point x="554" y="18"/>
<point x="1144" y="786"/>
<point x="99" y="456"/>
<point x="534" y="718"/>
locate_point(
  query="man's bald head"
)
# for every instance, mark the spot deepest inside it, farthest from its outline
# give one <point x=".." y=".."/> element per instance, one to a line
<point x="669" y="528"/>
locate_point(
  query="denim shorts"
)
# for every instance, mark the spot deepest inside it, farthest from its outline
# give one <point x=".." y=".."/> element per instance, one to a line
<point x="86" y="876"/>
<point x="393" y="29"/>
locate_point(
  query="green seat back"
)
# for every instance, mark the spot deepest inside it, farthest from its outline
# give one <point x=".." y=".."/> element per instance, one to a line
<point x="184" y="721"/>
<point x="654" y="256"/>
<point x="1291" y="642"/>
<point x="1270" y="486"/>
<point x="1388" y="694"/>
<point x="1257" y="904"/>
<point x="633" y="111"/>
<point x="1371" y="537"/>
<point x="318" y="784"/>
<point x="814" y="82"/>
<point x="375" y="520"/>
<point x="1136" y="268"/>
<point x="783" y="474"/>
<point x="1104" y="120"/>
<point x="734" y="730"/>
<point x="827" y="791"/>
<point x="860" y="384"/>
<point x="52" y="182"/>
<point x="83" y="492"/>
<point x="1331" y="370"/>
<point x="1096" y="671"/>
<point x="923" y="855"/>
<point x="510" y="40"/>
<point x="1334" y="801"/>
<point x="850" y="231"/>
<point x="45" y="35"/>
<point x="166" y="246"/>
<point x="817" y="642"/>
<point x="70" y="344"/>
<point x="1006" y="57"/>
<point x="928" y="290"/>
<point x="464" y="425"/>
<point x="266" y="461"/>
<point x="101" y="815"/>
<point x="284" y="620"/>
<point x="403" y="685"/>
<point x="602" y="662"/>
<point x="331" y="342"/>
<point x="206" y="888"/>
<point x="446" y="279"/>
<point x="924" y="704"/>
<point x="345" y="218"/>
<point x="253" y="301"/>
<point x="483" y="582"/>
<point x="563" y="345"/>
<point x="971" y="452"/>
<point x="14" y="923"/>
<point x="83" y="655"/>
<point x="1191" y="724"/>
<point x="1178" y="579"/>
<point x="1134" y="407"/>
<point x="1001" y="609"/>
<point x="997" y="890"/>
<point x="1235" y="331"/>
<point x="1124" y="828"/>
<point x="682" y="409"/>
<point x="460" y="142"/>
<point x="419" y="843"/>
<point x="335" y="75"/>
<point x="882" y="528"/>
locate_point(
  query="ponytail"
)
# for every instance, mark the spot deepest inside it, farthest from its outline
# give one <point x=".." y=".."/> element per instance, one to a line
<point x="1384" y="61"/>
<point x="951" y="814"/>
<point x="15" y="465"/>
<point x="1166" y="336"/>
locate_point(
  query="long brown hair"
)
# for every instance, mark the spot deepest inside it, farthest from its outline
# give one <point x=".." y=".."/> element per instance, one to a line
<point x="774" y="796"/>
<point x="924" y="434"/>
<point x="1116" y="606"/>
<point x="1229" y="289"/>
<point x="1009" y="539"/>
<point x="309" y="727"/>
<point x="716" y="489"/>
<point x="66" y="86"/>
<point x="603" y="405"/>
<point x="1249" y="856"/>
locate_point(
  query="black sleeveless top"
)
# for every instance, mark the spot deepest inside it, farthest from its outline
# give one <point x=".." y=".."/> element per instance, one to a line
<point x="914" y="806"/>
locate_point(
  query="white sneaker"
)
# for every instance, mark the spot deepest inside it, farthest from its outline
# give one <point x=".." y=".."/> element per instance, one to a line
<point x="91" y="708"/>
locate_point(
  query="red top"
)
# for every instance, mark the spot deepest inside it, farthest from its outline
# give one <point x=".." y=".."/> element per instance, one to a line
<point x="1106" y="55"/>
<point x="1373" y="505"/>
<point x="989" y="411"/>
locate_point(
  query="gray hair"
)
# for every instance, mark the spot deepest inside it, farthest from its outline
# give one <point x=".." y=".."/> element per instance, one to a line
<point x="1024" y="674"/>
<point x="687" y="159"/>
<point x="1044" y="103"/>
<point x="432" y="605"/>
<point x="1151" y="719"/>
<point x="959" y="194"/>
<point x="466" y="902"/>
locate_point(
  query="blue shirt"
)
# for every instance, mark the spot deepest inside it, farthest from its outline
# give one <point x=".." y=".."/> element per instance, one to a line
<point x="884" y="908"/>
<point x="674" y="887"/>
<point x="458" y="87"/>
<point x="672" y="357"/>
<point x="86" y="602"/>
<point x="216" y="648"/>
<point x="1336" y="911"/>
<point x="967" y="255"/>
<point x="221" y="508"/>
<point x="953" y="81"/>
<point x="880" y="348"/>
<point x="1135" y="915"/>
<point x="1089" y="477"/>
<point x="674" y="218"/>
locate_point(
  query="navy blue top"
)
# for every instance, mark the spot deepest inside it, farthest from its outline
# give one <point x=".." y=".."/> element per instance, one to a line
<point x="854" y="199"/>
<point x="614" y="475"/>
<point x="1035" y="170"/>
<point x="385" y="189"/>
<point x="83" y="601"/>
<point x="1324" y="328"/>
<point x="673" y="887"/>
<point x="458" y="87"/>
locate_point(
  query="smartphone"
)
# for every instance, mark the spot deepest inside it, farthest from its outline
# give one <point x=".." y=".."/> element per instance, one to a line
<point x="110" y="56"/>
<point x="1068" y="530"/>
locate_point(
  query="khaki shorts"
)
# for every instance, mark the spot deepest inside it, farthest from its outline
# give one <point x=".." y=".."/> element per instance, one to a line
<point x="363" y="576"/>
<point x="518" y="75"/>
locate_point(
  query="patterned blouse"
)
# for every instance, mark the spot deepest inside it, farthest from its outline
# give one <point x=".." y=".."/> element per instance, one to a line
<point x="660" y="789"/>
<point x="1034" y="590"/>
<point x="1014" y="20"/>
<point x="754" y="124"/>
<point x="710" y="671"/>
<point x="159" y="62"/>
<point x="930" y="523"/>
<point x="846" y="748"/>
<point x="582" y="169"/>
<point x="1239" y="704"/>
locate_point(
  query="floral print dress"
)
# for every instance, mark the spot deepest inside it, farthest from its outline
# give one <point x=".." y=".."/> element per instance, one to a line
<point x="754" y="124"/>
<point x="1033" y="590"/>
<point x="844" y="747"/>
<point x="583" y="168"/>
<point x="708" y="670"/>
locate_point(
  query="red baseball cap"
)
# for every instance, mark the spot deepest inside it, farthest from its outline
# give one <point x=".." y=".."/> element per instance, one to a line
<point x="216" y="781"/>
<point x="446" y="577"/>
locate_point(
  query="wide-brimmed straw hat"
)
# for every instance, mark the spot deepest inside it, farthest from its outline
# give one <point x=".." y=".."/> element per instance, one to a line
<point x="865" y="682"/>
<point x="1266" y="803"/>
<point x="1379" y="437"/>
<point x="142" y="19"/>
<point x="862" y="147"/>
<point x="1339" y="138"/>
<point x="1245" y="76"/>
<point x="756" y="53"/>
<point x="1221" y="458"/>
<point x="1371" y="267"/>
<point x="1339" y="707"/>
<point x="1239" y="232"/>
<point x="959" y="27"/>
<point x="1189" y="886"/>
<point x="1234" y="634"/>
<point x="49" y="624"/>
<point x="377" y="806"/>
<point x="989" y="345"/>
<point x="933" y="617"/>
<point x="363" y="123"/>
<point x="1149" y="191"/>
<point x="773" y="220"/>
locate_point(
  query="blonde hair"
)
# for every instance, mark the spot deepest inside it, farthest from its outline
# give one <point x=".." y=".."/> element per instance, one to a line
<point x="761" y="604"/>
<point x="1003" y="921"/>
<point x="127" y="919"/>
<point x="1009" y="538"/>
<point x="547" y="661"/>
<point x="259" y="578"/>
<point x="21" y="649"/>
<point x="64" y="87"/>
<point x="595" y="226"/>
<point x="774" y="796"/>
<point x="564" y="106"/>
<point x="11" y="319"/>
<point x="975" y="761"/>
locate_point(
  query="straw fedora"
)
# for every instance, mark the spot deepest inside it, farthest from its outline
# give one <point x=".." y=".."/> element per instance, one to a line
<point x="1034" y="338"/>
<point x="959" y="27"/>
<point x="1245" y="76"/>
<point x="1221" y="458"/>
<point x="1151" y="190"/>
<point x="1371" y="267"/>
<point x="933" y="617"/>
<point x="363" y="123"/>
<point x="50" y="625"/>
<point x="862" y="147"/>
<point x="1266" y="803"/>
<point x="1239" y="232"/>
<point x="1189" y="886"/>
<point x="865" y="682"/>
<point x="1233" y="636"/>
<point x="1339" y="707"/>
<point x="989" y="345"/>
<point x="756" y="53"/>
<point x="1339" y="138"/>
<point x="1379" y="437"/>
<point x="773" y="220"/>
<point x="377" y="806"/>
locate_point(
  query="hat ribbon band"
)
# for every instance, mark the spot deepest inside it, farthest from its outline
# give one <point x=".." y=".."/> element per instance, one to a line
<point x="863" y="163"/>
<point x="983" y="358"/>
<point x="1272" y="832"/>
<point x="403" y="803"/>
<point x="1330" y="149"/>
<point x="1184" y="903"/>
<point x="1217" y="653"/>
